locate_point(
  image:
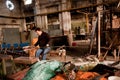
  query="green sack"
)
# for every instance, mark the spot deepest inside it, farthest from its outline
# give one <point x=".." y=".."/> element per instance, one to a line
<point x="43" y="70"/>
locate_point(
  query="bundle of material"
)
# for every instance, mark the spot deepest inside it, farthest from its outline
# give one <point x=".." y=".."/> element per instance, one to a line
<point x="102" y="69"/>
<point x="59" y="77"/>
<point x="43" y="70"/>
<point x="85" y="75"/>
<point x="89" y="76"/>
<point x="67" y="72"/>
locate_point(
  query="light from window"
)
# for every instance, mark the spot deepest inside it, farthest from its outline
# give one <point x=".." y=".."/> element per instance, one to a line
<point x="9" y="5"/>
<point x="27" y="2"/>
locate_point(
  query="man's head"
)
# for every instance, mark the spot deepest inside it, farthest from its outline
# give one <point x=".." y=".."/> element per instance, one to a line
<point x="38" y="31"/>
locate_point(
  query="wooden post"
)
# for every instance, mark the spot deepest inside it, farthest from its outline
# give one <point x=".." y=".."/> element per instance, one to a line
<point x="4" y="67"/>
<point x="87" y="22"/>
<point x="65" y="18"/>
<point x="99" y="53"/>
<point x="41" y="20"/>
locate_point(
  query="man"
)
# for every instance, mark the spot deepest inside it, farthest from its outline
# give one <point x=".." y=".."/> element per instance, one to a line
<point x="43" y="40"/>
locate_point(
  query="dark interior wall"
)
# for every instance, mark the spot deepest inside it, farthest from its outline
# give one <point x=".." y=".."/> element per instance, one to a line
<point x="59" y="41"/>
<point x="11" y="35"/>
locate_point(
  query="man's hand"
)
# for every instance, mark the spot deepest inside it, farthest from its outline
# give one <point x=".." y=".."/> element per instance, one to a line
<point x="36" y="47"/>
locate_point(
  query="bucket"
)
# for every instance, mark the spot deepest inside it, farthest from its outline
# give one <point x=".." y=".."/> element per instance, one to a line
<point x="113" y="78"/>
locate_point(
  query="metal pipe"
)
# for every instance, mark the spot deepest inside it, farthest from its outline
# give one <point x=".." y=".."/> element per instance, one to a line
<point x="99" y="52"/>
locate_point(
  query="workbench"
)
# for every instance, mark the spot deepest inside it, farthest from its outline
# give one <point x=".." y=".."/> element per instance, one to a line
<point x="25" y="60"/>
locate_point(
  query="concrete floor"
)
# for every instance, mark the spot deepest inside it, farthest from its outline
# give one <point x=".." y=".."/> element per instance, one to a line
<point x="81" y="60"/>
<point x="75" y="53"/>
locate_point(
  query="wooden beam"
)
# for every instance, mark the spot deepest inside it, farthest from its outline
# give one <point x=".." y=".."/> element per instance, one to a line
<point x="3" y="16"/>
<point x="9" y="24"/>
<point x="91" y="5"/>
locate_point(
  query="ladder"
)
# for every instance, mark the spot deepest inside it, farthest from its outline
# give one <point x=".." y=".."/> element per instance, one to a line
<point x="110" y="46"/>
<point x="93" y="35"/>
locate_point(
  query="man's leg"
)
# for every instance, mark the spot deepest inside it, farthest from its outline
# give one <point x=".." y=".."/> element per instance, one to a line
<point x="114" y="54"/>
<point x="38" y="52"/>
<point x="46" y="50"/>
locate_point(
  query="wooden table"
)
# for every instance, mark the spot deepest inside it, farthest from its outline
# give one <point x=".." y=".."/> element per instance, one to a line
<point x="25" y="60"/>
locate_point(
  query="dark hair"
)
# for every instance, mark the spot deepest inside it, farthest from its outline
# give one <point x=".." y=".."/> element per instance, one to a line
<point x="37" y="29"/>
<point x="33" y="28"/>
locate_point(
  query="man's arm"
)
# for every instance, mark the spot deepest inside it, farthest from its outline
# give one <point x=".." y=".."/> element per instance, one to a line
<point x="37" y="43"/>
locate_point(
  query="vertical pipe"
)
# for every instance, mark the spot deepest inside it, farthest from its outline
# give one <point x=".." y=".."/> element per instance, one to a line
<point x="111" y="23"/>
<point x="87" y="22"/>
<point x="99" y="34"/>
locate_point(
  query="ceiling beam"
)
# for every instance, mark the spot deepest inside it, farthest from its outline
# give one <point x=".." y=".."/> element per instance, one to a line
<point x="91" y="5"/>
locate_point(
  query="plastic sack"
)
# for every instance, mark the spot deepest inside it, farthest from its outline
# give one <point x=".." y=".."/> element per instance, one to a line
<point x="43" y="70"/>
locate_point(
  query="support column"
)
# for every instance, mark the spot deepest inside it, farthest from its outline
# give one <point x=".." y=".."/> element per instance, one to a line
<point x="100" y="13"/>
<point x="41" y="20"/>
<point x="23" y="24"/>
<point x="87" y="22"/>
<point x="65" y="17"/>
<point x="66" y="20"/>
